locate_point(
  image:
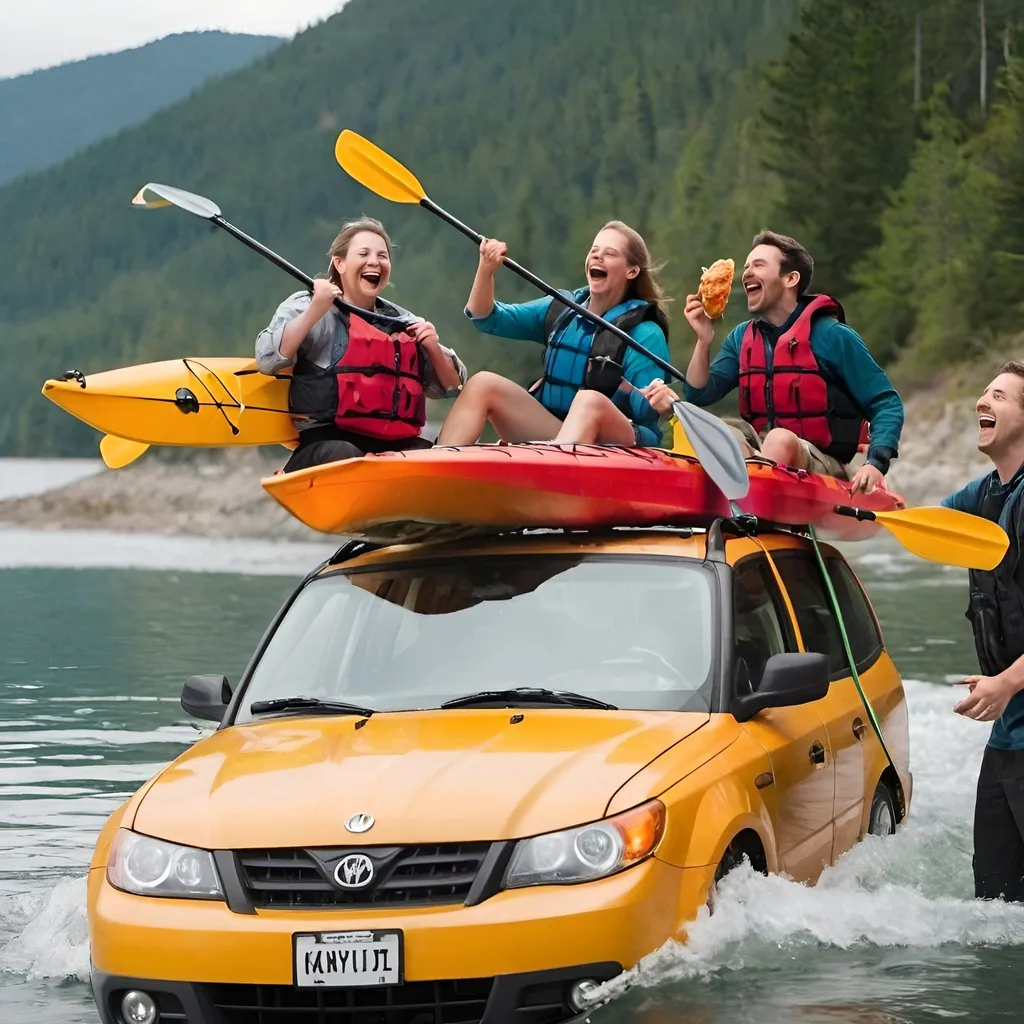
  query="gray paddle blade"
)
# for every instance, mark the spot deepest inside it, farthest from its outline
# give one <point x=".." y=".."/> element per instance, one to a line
<point x="154" y="196"/>
<point x="716" y="448"/>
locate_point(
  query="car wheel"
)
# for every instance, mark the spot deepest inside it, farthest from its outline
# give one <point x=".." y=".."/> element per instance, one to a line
<point x="732" y="858"/>
<point x="883" y="812"/>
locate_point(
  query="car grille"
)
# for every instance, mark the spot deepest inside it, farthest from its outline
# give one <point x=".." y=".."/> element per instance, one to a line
<point x="411" y="876"/>
<point x="421" y="1002"/>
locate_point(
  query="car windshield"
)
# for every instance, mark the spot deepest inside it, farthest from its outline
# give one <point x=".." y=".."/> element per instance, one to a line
<point x="635" y="634"/>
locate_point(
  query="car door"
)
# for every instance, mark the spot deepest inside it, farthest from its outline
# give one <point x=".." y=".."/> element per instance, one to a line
<point x="843" y="710"/>
<point x="795" y="738"/>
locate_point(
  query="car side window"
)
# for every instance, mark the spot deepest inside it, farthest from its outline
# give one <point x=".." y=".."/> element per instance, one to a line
<point x="818" y="626"/>
<point x="861" y="627"/>
<point x="760" y="623"/>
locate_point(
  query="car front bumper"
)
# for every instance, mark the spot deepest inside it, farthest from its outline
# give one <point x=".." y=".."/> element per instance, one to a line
<point x="539" y="997"/>
<point x="531" y="941"/>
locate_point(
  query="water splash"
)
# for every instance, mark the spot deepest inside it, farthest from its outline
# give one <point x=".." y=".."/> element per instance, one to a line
<point x="51" y="939"/>
<point x="911" y="890"/>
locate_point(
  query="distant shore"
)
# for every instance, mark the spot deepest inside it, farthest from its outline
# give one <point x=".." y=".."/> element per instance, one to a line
<point x="215" y="494"/>
<point x="218" y="493"/>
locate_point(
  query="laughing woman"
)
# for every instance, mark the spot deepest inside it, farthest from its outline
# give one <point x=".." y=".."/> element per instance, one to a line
<point x="356" y="387"/>
<point x="579" y="397"/>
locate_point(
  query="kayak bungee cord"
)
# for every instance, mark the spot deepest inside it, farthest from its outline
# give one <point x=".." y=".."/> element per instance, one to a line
<point x="837" y="611"/>
<point x="219" y="405"/>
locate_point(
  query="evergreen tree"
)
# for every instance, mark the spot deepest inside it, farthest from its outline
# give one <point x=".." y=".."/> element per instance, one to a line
<point x="921" y="284"/>
<point x="841" y="128"/>
<point x="1003" y="149"/>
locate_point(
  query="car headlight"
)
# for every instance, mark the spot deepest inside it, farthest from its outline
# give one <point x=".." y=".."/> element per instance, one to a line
<point x="588" y="852"/>
<point x="153" y="867"/>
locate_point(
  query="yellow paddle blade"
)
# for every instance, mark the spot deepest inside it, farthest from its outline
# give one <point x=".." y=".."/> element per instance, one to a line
<point x="372" y="167"/>
<point x="680" y="442"/>
<point x="118" y="452"/>
<point x="947" y="536"/>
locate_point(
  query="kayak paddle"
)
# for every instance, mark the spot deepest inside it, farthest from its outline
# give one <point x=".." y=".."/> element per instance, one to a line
<point x="154" y="196"/>
<point x="941" y="534"/>
<point x="118" y="452"/>
<point x="713" y="442"/>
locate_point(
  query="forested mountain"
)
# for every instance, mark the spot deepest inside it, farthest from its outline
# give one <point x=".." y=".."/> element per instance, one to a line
<point x="48" y="115"/>
<point x="861" y="127"/>
<point x="899" y="144"/>
<point x="533" y="121"/>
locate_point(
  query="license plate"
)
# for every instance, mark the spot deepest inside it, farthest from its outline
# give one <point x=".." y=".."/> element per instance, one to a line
<point x="348" y="959"/>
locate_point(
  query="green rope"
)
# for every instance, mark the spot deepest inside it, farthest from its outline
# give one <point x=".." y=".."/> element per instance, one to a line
<point x="837" y="611"/>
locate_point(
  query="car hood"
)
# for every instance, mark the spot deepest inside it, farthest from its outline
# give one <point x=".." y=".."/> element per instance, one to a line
<point x="425" y="776"/>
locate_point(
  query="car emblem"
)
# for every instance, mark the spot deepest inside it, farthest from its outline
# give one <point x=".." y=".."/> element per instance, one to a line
<point x="354" y="871"/>
<point x="361" y="822"/>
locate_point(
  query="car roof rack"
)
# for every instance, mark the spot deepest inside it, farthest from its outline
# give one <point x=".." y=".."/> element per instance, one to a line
<point x="716" y="531"/>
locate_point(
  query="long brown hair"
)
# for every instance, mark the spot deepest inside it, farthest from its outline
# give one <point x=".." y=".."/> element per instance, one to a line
<point x="339" y="247"/>
<point x="645" y="285"/>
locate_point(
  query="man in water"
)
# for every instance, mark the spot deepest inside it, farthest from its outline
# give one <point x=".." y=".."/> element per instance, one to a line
<point x="808" y="384"/>
<point x="996" y="612"/>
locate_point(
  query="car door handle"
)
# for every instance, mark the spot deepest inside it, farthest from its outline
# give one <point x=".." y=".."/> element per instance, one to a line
<point x="858" y="728"/>
<point x="817" y="754"/>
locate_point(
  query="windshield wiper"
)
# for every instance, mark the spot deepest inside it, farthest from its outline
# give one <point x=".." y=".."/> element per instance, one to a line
<point x="530" y="695"/>
<point x="338" y="707"/>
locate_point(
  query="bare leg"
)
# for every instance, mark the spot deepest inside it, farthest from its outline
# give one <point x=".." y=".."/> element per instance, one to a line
<point x="784" y="448"/>
<point x="594" y="419"/>
<point x="513" y="412"/>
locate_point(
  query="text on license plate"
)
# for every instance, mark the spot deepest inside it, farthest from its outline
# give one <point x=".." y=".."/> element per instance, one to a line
<point x="345" y="959"/>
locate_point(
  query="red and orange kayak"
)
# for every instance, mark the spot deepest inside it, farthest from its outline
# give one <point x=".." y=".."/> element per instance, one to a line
<point x="403" y="494"/>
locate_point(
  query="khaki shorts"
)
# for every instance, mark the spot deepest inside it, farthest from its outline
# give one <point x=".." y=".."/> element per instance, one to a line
<point x="817" y="460"/>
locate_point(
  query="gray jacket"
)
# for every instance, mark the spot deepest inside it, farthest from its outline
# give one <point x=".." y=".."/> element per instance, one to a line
<point x="325" y="345"/>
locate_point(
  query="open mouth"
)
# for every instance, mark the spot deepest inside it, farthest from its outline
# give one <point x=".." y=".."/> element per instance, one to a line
<point x="597" y="273"/>
<point x="372" y="278"/>
<point x="986" y="422"/>
<point x="753" y="290"/>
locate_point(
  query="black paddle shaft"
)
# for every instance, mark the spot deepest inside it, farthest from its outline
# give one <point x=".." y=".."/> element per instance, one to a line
<point x="554" y="293"/>
<point x="299" y="275"/>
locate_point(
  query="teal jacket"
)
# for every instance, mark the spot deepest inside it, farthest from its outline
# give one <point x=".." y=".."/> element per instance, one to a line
<point x="524" y="321"/>
<point x="843" y="357"/>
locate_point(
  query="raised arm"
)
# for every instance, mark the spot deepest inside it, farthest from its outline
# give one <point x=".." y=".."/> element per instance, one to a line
<point x="278" y="343"/>
<point x="481" y="296"/>
<point x="699" y="370"/>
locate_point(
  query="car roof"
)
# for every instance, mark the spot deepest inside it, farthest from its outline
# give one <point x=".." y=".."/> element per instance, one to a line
<point x="637" y="542"/>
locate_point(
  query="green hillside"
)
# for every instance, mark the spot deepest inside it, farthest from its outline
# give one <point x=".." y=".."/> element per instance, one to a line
<point x="536" y="122"/>
<point x="48" y="115"/>
<point x="533" y="121"/>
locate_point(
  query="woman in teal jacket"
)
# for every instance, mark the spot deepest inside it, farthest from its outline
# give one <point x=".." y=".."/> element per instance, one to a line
<point x="581" y="397"/>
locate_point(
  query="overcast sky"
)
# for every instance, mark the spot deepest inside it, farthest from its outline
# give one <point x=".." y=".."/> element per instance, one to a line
<point x="41" y="33"/>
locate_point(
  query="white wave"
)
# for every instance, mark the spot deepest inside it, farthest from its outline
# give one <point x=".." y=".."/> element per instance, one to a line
<point x="52" y="933"/>
<point x="913" y="889"/>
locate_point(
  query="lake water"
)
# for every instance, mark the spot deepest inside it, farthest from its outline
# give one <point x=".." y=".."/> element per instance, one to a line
<point x="91" y="663"/>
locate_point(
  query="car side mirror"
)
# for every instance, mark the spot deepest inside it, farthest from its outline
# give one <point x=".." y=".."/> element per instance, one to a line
<point x="788" y="680"/>
<point x="206" y="697"/>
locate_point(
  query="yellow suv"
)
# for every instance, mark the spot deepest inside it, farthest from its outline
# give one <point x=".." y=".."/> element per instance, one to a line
<point x="470" y="782"/>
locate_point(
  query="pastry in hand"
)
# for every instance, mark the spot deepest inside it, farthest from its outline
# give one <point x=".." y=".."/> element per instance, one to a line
<point x="715" y="286"/>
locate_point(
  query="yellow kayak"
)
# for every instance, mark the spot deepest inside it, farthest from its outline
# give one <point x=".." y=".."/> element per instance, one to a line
<point x="200" y="402"/>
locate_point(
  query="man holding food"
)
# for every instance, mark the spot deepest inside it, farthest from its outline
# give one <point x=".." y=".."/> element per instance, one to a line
<point x="811" y="395"/>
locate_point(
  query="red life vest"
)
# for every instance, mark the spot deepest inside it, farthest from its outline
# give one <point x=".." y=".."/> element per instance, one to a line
<point x="794" y="393"/>
<point x="375" y="388"/>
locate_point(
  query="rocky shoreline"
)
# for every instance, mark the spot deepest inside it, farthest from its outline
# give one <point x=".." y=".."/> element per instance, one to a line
<point x="218" y="493"/>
